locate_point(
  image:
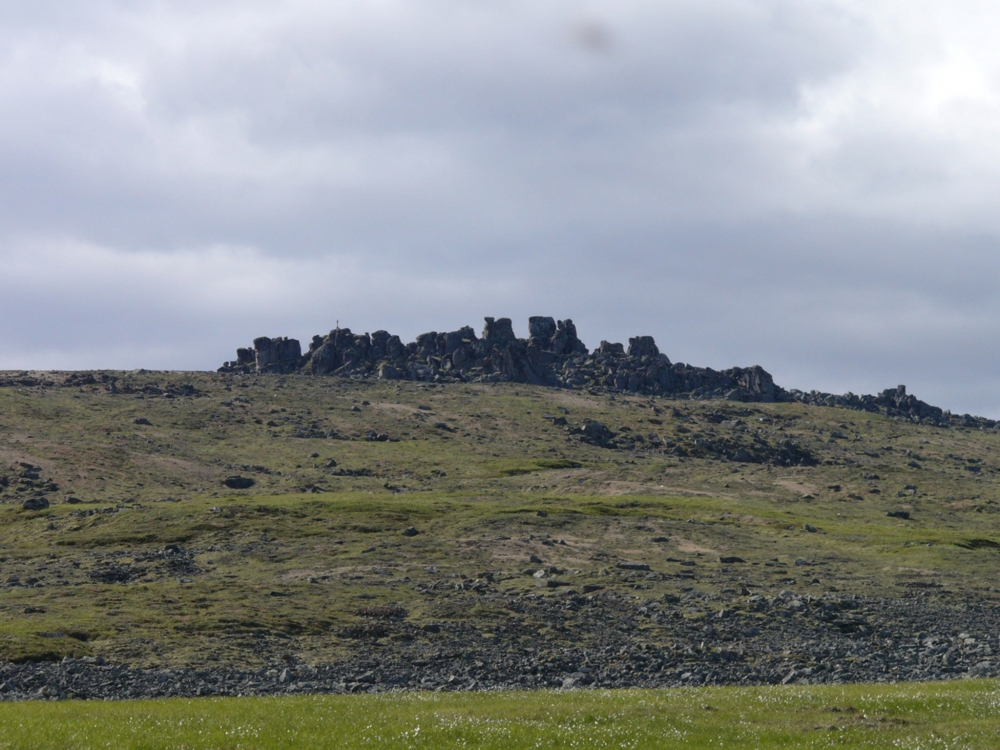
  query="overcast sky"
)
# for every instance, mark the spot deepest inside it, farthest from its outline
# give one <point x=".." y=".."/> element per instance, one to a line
<point x="808" y="186"/>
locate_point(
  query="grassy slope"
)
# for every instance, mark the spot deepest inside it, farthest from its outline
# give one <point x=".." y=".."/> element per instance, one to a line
<point x="305" y="550"/>
<point x="955" y="715"/>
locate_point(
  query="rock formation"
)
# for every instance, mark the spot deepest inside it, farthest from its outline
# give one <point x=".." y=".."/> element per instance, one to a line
<point x="552" y="355"/>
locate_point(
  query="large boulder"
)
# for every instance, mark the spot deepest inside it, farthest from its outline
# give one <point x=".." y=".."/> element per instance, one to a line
<point x="277" y="355"/>
<point x="565" y="342"/>
<point x="498" y="333"/>
<point x="642" y="346"/>
<point x="541" y="330"/>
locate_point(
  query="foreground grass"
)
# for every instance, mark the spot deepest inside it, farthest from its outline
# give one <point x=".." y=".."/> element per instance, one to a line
<point x="953" y="715"/>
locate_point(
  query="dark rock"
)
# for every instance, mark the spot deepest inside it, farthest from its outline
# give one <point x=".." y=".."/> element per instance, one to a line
<point x="410" y="531"/>
<point x="282" y="355"/>
<point x="731" y="560"/>
<point x="541" y="330"/>
<point x="632" y="566"/>
<point x="141" y="420"/>
<point x="595" y="433"/>
<point x="28" y="471"/>
<point x="239" y="483"/>
<point x="905" y="515"/>
<point x="553" y="355"/>
<point x="35" y="503"/>
<point x="117" y="574"/>
<point x="642" y="346"/>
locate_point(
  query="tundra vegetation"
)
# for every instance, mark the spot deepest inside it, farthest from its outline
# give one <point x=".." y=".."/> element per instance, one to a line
<point x="196" y="534"/>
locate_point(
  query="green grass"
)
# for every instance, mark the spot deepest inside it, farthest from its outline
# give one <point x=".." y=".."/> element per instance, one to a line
<point x="955" y="715"/>
<point x="499" y="485"/>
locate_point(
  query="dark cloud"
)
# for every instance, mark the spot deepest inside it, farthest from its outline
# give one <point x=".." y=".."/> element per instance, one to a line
<point x="803" y="186"/>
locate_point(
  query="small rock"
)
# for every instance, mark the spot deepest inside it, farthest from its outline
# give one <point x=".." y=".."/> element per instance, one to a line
<point x="810" y="528"/>
<point x="35" y="503"/>
<point x="238" y="483"/>
<point x="731" y="560"/>
<point x="142" y="420"/>
<point x="899" y="514"/>
<point x="632" y="566"/>
<point x="535" y="559"/>
<point x="410" y="531"/>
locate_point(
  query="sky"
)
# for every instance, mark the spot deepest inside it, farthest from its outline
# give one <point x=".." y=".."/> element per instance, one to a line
<point x="807" y="186"/>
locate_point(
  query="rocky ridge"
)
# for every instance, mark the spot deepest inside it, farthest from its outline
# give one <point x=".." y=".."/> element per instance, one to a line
<point x="554" y="356"/>
<point x="790" y="638"/>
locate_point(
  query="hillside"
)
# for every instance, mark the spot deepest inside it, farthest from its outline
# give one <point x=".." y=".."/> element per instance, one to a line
<point x="411" y="534"/>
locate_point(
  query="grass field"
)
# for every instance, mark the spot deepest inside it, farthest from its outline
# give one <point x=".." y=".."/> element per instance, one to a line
<point x="486" y="475"/>
<point x="146" y="558"/>
<point x="953" y="715"/>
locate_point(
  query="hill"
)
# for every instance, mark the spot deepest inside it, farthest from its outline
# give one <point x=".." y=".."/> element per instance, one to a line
<point x="237" y="533"/>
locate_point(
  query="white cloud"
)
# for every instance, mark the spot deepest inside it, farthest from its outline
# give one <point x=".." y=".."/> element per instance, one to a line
<point x="807" y="186"/>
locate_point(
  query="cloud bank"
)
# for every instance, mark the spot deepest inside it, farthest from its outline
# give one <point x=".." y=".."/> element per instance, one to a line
<point x="809" y="187"/>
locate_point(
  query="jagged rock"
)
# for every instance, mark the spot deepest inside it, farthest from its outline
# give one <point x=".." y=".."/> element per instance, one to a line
<point x="498" y="333"/>
<point x="277" y="355"/>
<point x="35" y="503"/>
<point x="553" y="355"/>
<point x="541" y="330"/>
<point x="595" y="433"/>
<point x="642" y="346"/>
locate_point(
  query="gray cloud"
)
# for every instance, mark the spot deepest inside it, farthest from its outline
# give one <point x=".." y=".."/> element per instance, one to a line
<point x="803" y="186"/>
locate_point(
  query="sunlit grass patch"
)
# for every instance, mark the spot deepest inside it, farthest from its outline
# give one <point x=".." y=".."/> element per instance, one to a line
<point x="961" y="714"/>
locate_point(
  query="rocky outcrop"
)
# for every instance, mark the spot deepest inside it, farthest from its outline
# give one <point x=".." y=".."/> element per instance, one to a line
<point x="553" y="355"/>
<point x="269" y="355"/>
